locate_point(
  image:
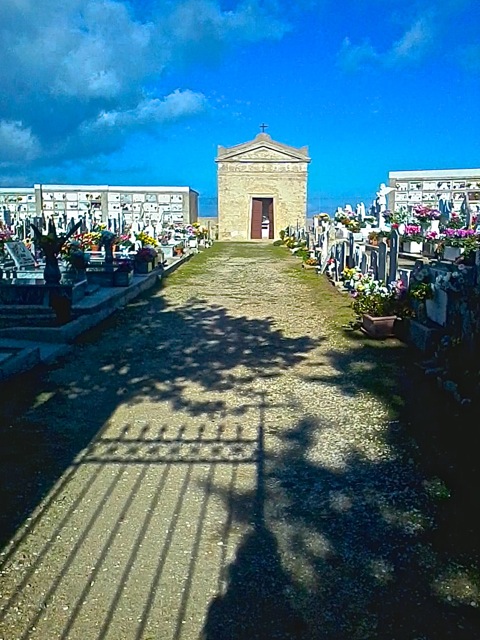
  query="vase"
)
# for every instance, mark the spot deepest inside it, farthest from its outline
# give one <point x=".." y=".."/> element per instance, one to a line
<point x="434" y="226"/>
<point x="381" y="327"/>
<point x="410" y="246"/>
<point x="122" y="278"/>
<point x="143" y="267"/>
<point x="428" y="249"/>
<point x="452" y="253"/>
<point x="51" y="272"/>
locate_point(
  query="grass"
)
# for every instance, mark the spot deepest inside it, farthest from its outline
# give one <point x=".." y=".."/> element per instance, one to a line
<point x="195" y="267"/>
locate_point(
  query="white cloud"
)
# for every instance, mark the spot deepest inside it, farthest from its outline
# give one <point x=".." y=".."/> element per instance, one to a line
<point x="415" y="42"/>
<point x="177" y="105"/>
<point x="17" y="143"/>
<point x="352" y="57"/>
<point x="418" y="39"/>
<point x="74" y="62"/>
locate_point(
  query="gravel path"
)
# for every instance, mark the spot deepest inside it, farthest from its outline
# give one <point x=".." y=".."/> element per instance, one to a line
<point x="209" y="476"/>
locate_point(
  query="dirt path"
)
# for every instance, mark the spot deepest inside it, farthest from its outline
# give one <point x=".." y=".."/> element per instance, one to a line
<point x="209" y="469"/>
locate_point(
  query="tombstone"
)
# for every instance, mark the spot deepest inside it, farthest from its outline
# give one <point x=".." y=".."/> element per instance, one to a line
<point x="436" y="307"/>
<point x="364" y="264"/>
<point x="445" y="206"/>
<point x="374" y="264"/>
<point x="357" y="257"/>
<point x="351" y="249"/>
<point x="360" y="211"/>
<point x="20" y="255"/>
<point x="382" y="261"/>
<point x="394" y="249"/>
<point x="336" y="271"/>
<point x="467" y="212"/>
<point x="342" y="257"/>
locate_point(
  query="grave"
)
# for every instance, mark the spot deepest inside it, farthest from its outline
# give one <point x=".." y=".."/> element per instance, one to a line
<point x="20" y="255"/>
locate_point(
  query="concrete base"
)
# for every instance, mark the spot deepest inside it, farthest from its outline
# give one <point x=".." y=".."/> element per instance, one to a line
<point x="36" y="292"/>
<point x="425" y="338"/>
<point x="53" y="342"/>
<point x="16" y="359"/>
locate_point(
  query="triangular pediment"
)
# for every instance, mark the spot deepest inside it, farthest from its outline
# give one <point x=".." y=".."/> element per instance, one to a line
<point x="262" y="149"/>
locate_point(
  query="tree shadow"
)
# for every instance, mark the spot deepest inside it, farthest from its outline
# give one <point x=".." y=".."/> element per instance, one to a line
<point x="338" y="553"/>
<point x="256" y="603"/>
<point x="148" y="352"/>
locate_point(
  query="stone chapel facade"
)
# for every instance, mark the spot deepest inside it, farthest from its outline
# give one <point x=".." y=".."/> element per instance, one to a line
<point x="262" y="188"/>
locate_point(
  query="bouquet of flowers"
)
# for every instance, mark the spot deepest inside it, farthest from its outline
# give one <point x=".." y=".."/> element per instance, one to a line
<point x="468" y="239"/>
<point x="124" y="265"/>
<point x="375" y="298"/>
<point x="146" y="240"/>
<point x="89" y="239"/>
<point x="426" y="214"/>
<point x="413" y="233"/>
<point x="5" y="236"/>
<point x="146" y="254"/>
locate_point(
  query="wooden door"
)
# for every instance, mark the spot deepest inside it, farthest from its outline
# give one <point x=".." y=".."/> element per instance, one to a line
<point x="270" y="219"/>
<point x="256" y="226"/>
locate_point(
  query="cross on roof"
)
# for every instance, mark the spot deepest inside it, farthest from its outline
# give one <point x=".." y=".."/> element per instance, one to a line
<point x="263" y="126"/>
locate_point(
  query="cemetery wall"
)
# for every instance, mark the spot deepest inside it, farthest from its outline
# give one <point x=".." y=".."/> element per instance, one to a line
<point x="150" y="203"/>
<point x="429" y="187"/>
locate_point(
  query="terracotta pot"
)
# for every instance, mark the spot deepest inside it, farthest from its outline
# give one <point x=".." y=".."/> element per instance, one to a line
<point x="382" y="327"/>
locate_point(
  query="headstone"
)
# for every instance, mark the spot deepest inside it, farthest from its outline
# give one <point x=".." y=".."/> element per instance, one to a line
<point x="374" y="264"/>
<point x="360" y="211"/>
<point x="382" y="261"/>
<point x="20" y="255"/>
<point x="466" y="210"/>
<point x="342" y="258"/>
<point x="351" y="249"/>
<point x="436" y="307"/>
<point x="394" y="249"/>
<point x="364" y="263"/>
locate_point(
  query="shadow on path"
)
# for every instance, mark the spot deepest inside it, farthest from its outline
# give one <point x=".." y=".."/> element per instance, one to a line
<point x="148" y="352"/>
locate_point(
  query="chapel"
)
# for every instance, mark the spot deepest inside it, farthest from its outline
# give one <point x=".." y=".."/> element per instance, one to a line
<point x="262" y="189"/>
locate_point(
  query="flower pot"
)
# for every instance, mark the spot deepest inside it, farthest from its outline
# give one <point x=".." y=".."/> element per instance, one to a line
<point x="452" y="253"/>
<point x="143" y="268"/>
<point x="428" y="249"/>
<point x="409" y="246"/>
<point x="382" y="327"/>
<point x="122" y="278"/>
<point x="434" y="226"/>
<point x="310" y="267"/>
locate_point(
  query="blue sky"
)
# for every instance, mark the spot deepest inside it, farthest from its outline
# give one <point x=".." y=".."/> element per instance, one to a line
<point x="95" y="91"/>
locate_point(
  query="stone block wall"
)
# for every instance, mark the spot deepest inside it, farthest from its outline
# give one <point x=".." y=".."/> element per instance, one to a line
<point x="286" y="183"/>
